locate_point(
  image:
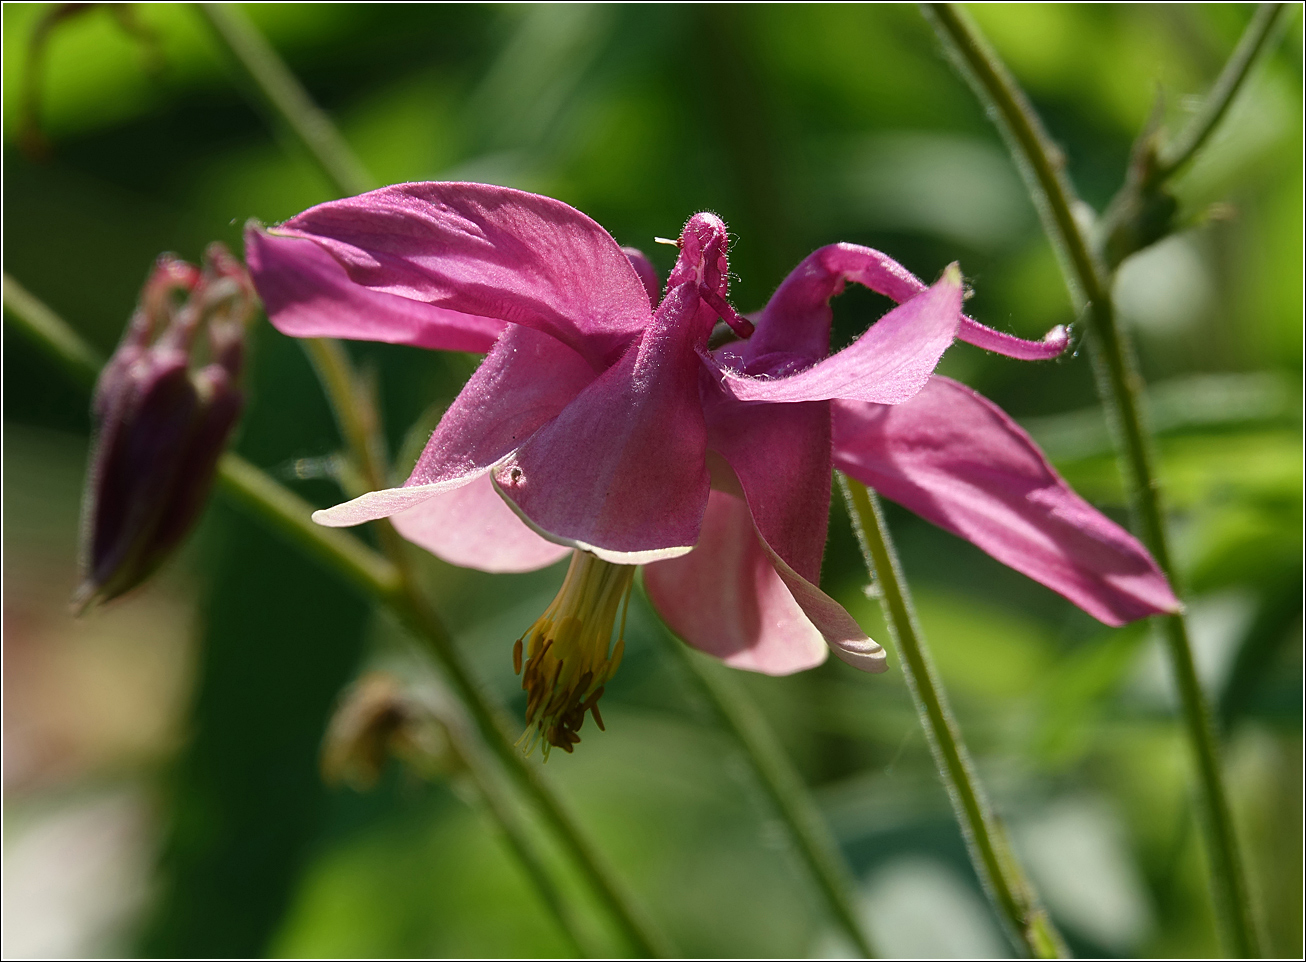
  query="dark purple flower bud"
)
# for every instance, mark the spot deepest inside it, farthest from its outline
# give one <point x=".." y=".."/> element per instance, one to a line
<point x="164" y="407"/>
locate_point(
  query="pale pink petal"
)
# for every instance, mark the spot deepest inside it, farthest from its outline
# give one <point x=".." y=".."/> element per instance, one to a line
<point x="491" y="252"/>
<point x="307" y="294"/>
<point x="622" y="470"/>
<point x="797" y="318"/>
<point x="382" y="504"/>
<point x="839" y="629"/>
<point x="471" y="526"/>
<point x="724" y="597"/>
<point x="888" y="364"/>
<point x="957" y="460"/>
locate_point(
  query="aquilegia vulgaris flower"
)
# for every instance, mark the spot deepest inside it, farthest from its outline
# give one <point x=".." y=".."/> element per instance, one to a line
<point x="600" y="423"/>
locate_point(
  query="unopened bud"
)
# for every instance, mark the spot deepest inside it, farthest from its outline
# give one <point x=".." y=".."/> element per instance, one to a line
<point x="378" y="718"/>
<point x="164" y="407"/>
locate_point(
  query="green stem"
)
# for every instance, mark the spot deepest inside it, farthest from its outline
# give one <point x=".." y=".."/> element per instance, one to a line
<point x="1191" y="139"/>
<point x="990" y="851"/>
<point x="387" y="582"/>
<point x="49" y="332"/>
<point x="287" y="99"/>
<point x="1120" y="388"/>
<point x="782" y="783"/>
<point x="288" y="513"/>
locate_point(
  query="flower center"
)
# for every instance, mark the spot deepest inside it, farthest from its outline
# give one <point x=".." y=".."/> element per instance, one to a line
<point x="567" y="651"/>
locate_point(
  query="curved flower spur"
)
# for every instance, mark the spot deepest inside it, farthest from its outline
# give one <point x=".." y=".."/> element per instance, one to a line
<point x="601" y="424"/>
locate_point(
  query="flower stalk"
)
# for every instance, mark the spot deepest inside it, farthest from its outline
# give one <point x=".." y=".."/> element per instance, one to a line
<point x="1120" y="387"/>
<point x="991" y="854"/>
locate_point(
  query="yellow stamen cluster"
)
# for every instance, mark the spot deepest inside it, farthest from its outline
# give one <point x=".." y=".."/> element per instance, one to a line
<point x="567" y="651"/>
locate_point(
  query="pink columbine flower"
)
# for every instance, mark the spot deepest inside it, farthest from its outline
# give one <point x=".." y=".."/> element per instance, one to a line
<point x="601" y="424"/>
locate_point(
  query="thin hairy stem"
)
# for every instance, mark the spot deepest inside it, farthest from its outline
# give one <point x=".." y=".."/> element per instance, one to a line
<point x="1120" y="388"/>
<point x="785" y="787"/>
<point x="995" y="863"/>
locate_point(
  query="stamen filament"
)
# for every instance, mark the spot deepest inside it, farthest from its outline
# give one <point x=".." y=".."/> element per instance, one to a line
<point x="569" y="653"/>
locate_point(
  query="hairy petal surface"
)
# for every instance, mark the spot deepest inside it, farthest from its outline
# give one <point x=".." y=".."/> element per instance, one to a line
<point x="491" y="252"/>
<point x="725" y="598"/>
<point x="471" y="526"/>
<point x="888" y="364"/>
<point x="307" y="294"/>
<point x="622" y="470"/>
<point x="523" y="383"/>
<point x="956" y="459"/>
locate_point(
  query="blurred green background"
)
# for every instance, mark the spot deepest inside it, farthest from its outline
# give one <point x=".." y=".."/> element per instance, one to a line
<point x="161" y="786"/>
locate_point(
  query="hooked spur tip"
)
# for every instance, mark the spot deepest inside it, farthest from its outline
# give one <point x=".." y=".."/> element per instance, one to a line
<point x="863" y="654"/>
<point x="1058" y="337"/>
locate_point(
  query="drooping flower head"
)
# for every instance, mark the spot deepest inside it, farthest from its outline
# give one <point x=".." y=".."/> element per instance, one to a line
<point x="601" y="423"/>
<point x="162" y="418"/>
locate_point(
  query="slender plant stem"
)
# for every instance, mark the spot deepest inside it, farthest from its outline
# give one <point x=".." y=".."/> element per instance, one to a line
<point x="388" y="583"/>
<point x="1191" y="139"/>
<point x="990" y="851"/>
<point x="259" y="495"/>
<point x="49" y="332"/>
<point x="286" y="99"/>
<point x="785" y="787"/>
<point x="1120" y="388"/>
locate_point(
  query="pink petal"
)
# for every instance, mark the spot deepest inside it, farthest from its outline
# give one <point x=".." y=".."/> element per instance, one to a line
<point x="888" y="364"/>
<point x="724" y="597"/>
<point x="491" y="252"/>
<point x="780" y="456"/>
<point x="621" y="471"/>
<point x="471" y="526"/>
<point x="307" y="294"/>
<point x="523" y="383"/>
<point x="957" y="460"/>
<point x="777" y="457"/>
<point x="525" y="380"/>
<point x="797" y="319"/>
